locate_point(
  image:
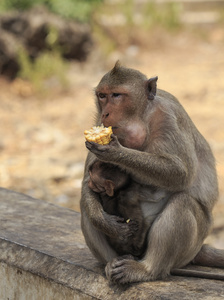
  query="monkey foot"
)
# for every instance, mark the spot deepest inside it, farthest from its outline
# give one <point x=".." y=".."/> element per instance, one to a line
<point x="122" y="270"/>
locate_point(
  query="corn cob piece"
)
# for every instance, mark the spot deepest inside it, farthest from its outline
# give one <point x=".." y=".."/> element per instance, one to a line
<point x="99" y="134"/>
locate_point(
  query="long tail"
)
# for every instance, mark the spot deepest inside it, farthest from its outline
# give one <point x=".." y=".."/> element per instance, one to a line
<point x="209" y="257"/>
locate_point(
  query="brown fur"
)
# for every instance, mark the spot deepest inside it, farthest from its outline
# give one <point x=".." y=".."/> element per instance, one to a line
<point x="158" y="145"/>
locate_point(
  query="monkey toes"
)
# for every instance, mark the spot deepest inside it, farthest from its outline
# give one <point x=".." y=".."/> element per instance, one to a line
<point x="119" y="269"/>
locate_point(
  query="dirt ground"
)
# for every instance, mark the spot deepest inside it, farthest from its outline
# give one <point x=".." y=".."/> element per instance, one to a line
<point x="42" y="148"/>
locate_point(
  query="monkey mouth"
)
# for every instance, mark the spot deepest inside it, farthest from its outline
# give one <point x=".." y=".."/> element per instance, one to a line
<point x="115" y="129"/>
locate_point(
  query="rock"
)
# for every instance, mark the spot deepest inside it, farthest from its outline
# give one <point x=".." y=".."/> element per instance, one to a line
<point x="31" y="29"/>
<point x="9" y="65"/>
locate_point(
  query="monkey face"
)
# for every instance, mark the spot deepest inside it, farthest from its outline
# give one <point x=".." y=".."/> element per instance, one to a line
<point x="124" y="99"/>
<point x="118" y="111"/>
<point x="114" y="105"/>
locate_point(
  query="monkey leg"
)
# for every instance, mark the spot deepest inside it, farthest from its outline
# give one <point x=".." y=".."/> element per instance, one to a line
<point x="174" y="239"/>
<point x="96" y="241"/>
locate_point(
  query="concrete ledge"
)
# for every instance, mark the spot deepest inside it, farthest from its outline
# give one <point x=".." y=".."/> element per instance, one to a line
<point x="43" y="256"/>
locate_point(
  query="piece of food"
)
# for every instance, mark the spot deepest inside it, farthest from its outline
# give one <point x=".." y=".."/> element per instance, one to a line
<point x="99" y="134"/>
<point x="128" y="220"/>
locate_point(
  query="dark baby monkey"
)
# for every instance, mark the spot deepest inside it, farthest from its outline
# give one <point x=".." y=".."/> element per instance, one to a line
<point x="120" y="196"/>
<point x="159" y="147"/>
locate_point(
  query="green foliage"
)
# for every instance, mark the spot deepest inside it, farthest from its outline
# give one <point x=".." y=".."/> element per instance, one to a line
<point x="18" y="4"/>
<point x="128" y="22"/>
<point x="48" y="66"/>
<point x="75" y="9"/>
<point x="106" y="43"/>
<point x="166" y="15"/>
<point x="128" y="10"/>
<point x="114" y="25"/>
<point x="152" y="14"/>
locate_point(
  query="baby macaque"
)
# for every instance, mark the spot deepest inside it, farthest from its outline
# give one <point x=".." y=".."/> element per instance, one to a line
<point x="117" y="198"/>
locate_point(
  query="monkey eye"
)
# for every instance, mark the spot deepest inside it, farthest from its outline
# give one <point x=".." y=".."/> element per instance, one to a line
<point x="101" y="96"/>
<point x="116" y="95"/>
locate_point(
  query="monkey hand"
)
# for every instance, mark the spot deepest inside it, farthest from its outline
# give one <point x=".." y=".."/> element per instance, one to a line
<point x="118" y="228"/>
<point x="129" y="233"/>
<point x="105" y="152"/>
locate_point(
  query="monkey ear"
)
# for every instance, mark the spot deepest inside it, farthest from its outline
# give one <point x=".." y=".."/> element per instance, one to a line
<point x="109" y="187"/>
<point x="116" y="68"/>
<point x="152" y="87"/>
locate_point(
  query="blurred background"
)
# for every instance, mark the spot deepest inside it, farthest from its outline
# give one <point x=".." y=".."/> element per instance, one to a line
<point x="52" y="55"/>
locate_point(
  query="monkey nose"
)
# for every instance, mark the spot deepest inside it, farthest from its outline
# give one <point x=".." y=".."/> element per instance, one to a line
<point x="104" y="116"/>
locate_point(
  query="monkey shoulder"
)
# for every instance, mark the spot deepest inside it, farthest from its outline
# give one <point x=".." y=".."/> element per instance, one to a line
<point x="171" y="126"/>
<point x="171" y="106"/>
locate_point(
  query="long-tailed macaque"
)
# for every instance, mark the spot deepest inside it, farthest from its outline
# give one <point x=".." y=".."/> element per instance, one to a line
<point x="120" y="196"/>
<point x="158" y="145"/>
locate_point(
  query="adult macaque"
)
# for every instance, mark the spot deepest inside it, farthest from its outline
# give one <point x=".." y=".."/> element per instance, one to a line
<point x="158" y="145"/>
<point x="120" y="196"/>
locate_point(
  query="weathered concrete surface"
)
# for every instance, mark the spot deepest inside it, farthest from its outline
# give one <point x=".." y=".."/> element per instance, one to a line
<point x="43" y="256"/>
<point x="22" y="285"/>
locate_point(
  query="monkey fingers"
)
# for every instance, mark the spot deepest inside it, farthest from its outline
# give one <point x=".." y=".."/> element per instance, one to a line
<point x="101" y="151"/>
<point x="94" y="147"/>
<point x="121" y="230"/>
<point x="104" y="152"/>
<point x="133" y="226"/>
<point x="114" y="141"/>
<point x="117" y="227"/>
<point x="124" y="233"/>
<point x="114" y="220"/>
<point x="119" y="269"/>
